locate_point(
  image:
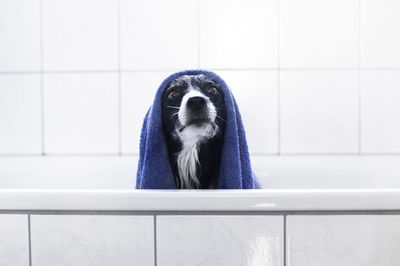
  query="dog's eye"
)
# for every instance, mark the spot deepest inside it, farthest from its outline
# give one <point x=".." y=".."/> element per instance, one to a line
<point x="172" y="95"/>
<point x="212" y="90"/>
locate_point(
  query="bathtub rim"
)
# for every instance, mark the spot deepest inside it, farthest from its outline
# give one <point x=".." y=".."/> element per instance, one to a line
<point x="200" y="200"/>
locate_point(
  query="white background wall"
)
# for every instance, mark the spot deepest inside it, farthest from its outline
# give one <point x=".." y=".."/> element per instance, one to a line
<point x="317" y="82"/>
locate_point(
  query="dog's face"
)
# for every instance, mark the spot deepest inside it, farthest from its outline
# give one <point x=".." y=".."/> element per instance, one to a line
<point x="193" y="108"/>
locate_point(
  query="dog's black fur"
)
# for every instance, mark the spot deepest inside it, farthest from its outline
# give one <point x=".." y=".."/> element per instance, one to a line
<point x="198" y="114"/>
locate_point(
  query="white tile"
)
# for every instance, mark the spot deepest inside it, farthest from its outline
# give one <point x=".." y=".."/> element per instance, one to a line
<point x="327" y="172"/>
<point x="68" y="172"/>
<point x="238" y="34"/>
<point x="137" y="95"/>
<point x="80" y="35"/>
<point x="20" y="114"/>
<point x="380" y="123"/>
<point x="257" y="96"/>
<point x="82" y="240"/>
<point x="343" y="240"/>
<point x="20" y="35"/>
<point x="274" y="172"/>
<point x="81" y="113"/>
<point x="219" y="240"/>
<point x="158" y="34"/>
<point x="14" y="240"/>
<point x="380" y="33"/>
<point x="319" y="111"/>
<point x="315" y="33"/>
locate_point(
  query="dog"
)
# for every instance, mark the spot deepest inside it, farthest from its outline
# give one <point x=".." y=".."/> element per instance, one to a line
<point x="193" y="120"/>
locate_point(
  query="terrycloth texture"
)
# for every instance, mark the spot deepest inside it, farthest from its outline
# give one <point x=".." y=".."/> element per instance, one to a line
<point x="154" y="169"/>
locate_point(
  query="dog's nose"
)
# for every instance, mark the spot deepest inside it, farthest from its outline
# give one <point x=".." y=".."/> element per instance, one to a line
<point x="196" y="103"/>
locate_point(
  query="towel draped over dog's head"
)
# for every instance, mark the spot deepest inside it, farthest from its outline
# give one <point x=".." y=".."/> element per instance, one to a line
<point x="154" y="169"/>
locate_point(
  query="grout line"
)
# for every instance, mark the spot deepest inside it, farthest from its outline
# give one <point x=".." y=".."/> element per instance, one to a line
<point x="90" y="71"/>
<point x="155" y="240"/>
<point x="20" y="72"/>
<point x="119" y="80"/>
<point x="279" y="107"/>
<point x="337" y="69"/>
<point x="355" y="154"/>
<point x="29" y="240"/>
<point x="284" y="240"/>
<point x="211" y="68"/>
<point x="119" y="116"/>
<point x="278" y="76"/>
<point x="42" y="126"/>
<point x="69" y="155"/>
<point x="328" y="154"/>
<point x="41" y="25"/>
<point x="359" y="81"/>
<point x="87" y="154"/>
<point x="359" y="92"/>
<point x="66" y="154"/>
<point x="359" y="35"/>
<point x="42" y="116"/>
<point x="198" y="34"/>
<point x="278" y="34"/>
<point x="251" y="154"/>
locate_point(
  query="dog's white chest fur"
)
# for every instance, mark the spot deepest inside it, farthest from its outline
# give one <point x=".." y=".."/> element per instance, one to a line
<point x="188" y="157"/>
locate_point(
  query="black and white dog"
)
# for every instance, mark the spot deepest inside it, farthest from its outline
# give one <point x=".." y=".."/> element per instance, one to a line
<point x="193" y="117"/>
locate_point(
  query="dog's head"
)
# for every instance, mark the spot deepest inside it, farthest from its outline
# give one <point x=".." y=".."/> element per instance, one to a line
<point x="193" y="108"/>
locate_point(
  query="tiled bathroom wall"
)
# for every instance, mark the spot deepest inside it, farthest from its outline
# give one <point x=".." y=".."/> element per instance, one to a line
<point x="314" y="79"/>
<point x="199" y="239"/>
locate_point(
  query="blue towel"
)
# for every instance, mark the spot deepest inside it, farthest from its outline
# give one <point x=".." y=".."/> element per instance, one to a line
<point x="154" y="169"/>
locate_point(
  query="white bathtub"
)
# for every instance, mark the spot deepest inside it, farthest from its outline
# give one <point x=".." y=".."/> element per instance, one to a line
<point x="316" y="210"/>
<point x="311" y="182"/>
<point x="194" y="200"/>
<point x="276" y="227"/>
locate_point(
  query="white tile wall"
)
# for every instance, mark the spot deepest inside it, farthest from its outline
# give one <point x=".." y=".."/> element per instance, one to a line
<point x="343" y="240"/>
<point x="68" y="172"/>
<point x="219" y="240"/>
<point x="319" y="111"/>
<point x="137" y="95"/>
<point x="327" y="171"/>
<point x="92" y="240"/>
<point x="20" y="35"/>
<point x="20" y="114"/>
<point x="282" y="172"/>
<point x="80" y="35"/>
<point x="260" y="113"/>
<point x="158" y="34"/>
<point x="315" y="33"/>
<point x="81" y="113"/>
<point x="14" y="241"/>
<point x="238" y="34"/>
<point x="110" y="56"/>
<point x="380" y="122"/>
<point x="380" y="33"/>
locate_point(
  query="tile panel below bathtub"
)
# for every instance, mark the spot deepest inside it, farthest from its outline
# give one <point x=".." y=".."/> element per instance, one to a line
<point x="14" y="242"/>
<point x="219" y="240"/>
<point x="345" y="240"/>
<point x="100" y="240"/>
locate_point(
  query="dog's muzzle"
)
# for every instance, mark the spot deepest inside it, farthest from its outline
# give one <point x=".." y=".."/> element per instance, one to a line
<point x="197" y="111"/>
<point x="196" y="103"/>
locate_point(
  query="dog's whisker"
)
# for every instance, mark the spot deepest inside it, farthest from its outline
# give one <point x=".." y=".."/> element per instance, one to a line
<point x="174" y="114"/>
<point x="180" y="128"/>
<point x="169" y="106"/>
<point x="221" y="118"/>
